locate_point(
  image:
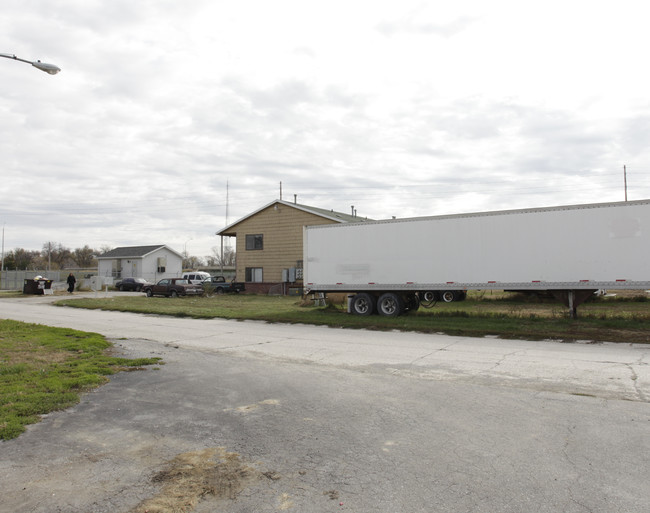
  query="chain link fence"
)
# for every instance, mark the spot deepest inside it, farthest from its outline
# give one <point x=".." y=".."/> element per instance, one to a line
<point x="14" y="280"/>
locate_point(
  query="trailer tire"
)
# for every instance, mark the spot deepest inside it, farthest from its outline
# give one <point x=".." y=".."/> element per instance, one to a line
<point x="363" y="304"/>
<point x="429" y="296"/>
<point x="390" y="304"/>
<point x="448" y="296"/>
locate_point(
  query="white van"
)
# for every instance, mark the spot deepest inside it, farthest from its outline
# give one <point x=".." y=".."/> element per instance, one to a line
<point x="196" y="276"/>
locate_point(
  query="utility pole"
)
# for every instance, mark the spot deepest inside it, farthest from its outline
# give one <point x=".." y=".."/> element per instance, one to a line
<point x="227" y="202"/>
<point x="2" y="265"/>
<point x="625" y="181"/>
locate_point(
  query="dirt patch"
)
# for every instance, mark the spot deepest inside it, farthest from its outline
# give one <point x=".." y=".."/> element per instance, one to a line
<point x="194" y="476"/>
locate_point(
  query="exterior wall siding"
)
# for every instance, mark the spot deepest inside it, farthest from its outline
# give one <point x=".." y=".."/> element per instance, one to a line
<point x="143" y="267"/>
<point x="282" y="247"/>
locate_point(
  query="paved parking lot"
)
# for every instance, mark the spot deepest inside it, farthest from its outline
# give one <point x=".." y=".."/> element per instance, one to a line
<point x="250" y="416"/>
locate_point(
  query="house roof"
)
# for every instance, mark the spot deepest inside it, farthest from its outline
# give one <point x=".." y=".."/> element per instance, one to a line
<point x="339" y="217"/>
<point x="134" y="251"/>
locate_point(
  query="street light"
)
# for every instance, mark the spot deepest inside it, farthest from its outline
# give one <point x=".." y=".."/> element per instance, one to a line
<point x="43" y="66"/>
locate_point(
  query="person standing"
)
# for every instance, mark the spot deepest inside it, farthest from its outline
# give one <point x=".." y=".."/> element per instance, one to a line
<point x="71" y="281"/>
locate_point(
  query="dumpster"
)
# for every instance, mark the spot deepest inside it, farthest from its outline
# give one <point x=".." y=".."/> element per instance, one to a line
<point x="37" y="286"/>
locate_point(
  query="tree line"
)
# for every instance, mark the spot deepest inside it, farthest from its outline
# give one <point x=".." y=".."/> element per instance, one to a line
<point x="53" y="255"/>
<point x="56" y="256"/>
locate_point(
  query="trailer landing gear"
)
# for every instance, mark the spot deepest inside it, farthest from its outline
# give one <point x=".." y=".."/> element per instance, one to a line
<point x="572" y="299"/>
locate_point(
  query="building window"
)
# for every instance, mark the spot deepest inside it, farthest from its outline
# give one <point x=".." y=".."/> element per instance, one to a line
<point x="254" y="242"/>
<point x="116" y="271"/>
<point x="162" y="264"/>
<point x="254" y="274"/>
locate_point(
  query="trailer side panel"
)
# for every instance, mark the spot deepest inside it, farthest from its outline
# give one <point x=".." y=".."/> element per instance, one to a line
<point x="574" y="247"/>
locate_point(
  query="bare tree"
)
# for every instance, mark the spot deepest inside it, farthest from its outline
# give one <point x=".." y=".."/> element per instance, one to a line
<point x="21" y="259"/>
<point x="104" y="249"/>
<point x="84" y="257"/>
<point x="229" y="256"/>
<point x="192" y="262"/>
<point x="56" y="255"/>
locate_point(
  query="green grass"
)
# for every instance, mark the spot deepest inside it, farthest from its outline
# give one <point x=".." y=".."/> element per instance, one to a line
<point x="43" y="369"/>
<point x="507" y="317"/>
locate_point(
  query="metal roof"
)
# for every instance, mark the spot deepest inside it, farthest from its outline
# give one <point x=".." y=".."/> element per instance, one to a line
<point x="338" y="217"/>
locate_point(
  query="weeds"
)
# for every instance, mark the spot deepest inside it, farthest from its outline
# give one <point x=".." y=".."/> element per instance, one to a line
<point x="44" y="369"/>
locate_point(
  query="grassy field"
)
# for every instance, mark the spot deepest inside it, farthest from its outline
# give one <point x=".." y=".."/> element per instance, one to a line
<point x="43" y="369"/>
<point x="616" y="319"/>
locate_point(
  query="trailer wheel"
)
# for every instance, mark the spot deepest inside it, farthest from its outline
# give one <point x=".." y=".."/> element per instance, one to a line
<point x="448" y="296"/>
<point x="363" y="304"/>
<point x="390" y="304"/>
<point x="429" y="296"/>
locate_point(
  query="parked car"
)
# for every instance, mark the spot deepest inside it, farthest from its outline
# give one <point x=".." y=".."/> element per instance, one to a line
<point x="173" y="287"/>
<point x="196" y="276"/>
<point x="219" y="285"/>
<point x="135" y="284"/>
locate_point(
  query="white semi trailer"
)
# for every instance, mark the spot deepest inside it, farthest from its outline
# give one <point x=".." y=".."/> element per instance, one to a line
<point x="391" y="266"/>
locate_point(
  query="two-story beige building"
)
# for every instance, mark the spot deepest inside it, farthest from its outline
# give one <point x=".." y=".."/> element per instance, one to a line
<point x="269" y="244"/>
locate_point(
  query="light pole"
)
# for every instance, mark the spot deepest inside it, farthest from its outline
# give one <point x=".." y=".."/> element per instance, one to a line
<point x="43" y="66"/>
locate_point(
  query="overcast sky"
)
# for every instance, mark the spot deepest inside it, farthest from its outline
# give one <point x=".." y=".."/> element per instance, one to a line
<point x="401" y="108"/>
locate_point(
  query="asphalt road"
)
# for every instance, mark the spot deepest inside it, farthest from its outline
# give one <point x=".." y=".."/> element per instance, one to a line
<point x="250" y="416"/>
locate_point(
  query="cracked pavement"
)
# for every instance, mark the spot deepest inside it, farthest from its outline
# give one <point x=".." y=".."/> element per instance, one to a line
<point x="347" y="420"/>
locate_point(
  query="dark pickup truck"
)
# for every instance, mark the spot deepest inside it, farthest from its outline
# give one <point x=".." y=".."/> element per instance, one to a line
<point x="173" y="287"/>
<point x="219" y="285"/>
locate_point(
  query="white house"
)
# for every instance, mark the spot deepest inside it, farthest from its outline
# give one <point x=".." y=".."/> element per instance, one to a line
<point x="149" y="262"/>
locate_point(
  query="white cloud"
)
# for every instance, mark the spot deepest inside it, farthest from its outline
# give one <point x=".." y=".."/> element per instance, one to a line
<point x="409" y="108"/>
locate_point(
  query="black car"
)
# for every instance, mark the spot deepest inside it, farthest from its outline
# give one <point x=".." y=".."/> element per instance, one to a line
<point x="135" y="284"/>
